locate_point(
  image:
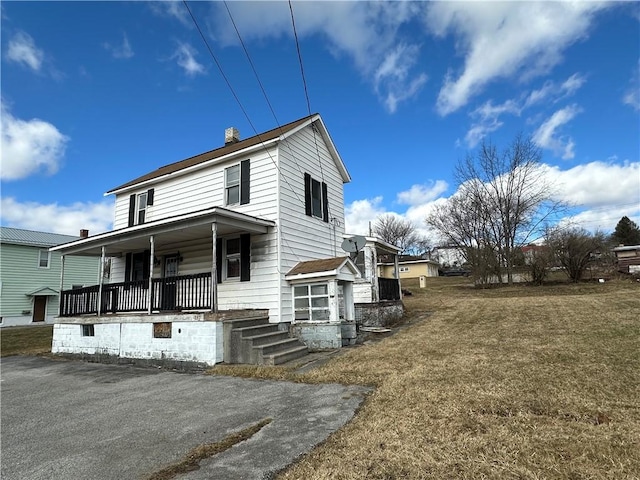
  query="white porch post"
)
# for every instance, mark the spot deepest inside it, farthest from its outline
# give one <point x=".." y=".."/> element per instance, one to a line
<point x="397" y="273"/>
<point x="61" y="284"/>
<point x="214" y="276"/>
<point x="100" y="277"/>
<point x="150" y="292"/>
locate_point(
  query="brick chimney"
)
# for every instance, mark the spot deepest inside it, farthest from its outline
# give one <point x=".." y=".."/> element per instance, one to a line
<point x="231" y="135"/>
<point x="84" y="233"/>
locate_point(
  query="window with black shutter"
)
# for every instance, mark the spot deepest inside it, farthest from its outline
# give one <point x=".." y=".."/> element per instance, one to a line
<point x="316" y="201"/>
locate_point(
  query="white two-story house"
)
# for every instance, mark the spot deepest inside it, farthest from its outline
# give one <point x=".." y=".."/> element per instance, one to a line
<point x="236" y="243"/>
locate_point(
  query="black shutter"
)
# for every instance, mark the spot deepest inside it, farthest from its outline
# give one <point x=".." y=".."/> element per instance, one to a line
<point x="244" y="182"/>
<point x="325" y="203"/>
<point x="245" y="257"/>
<point x="127" y="267"/>
<point x="132" y="210"/>
<point x="146" y="264"/>
<point x="219" y="259"/>
<point x="307" y="194"/>
<point x="150" y="196"/>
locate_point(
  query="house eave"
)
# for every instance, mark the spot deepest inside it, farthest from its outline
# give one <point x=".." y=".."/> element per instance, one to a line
<point x="193" y="168"/>
<point x="227" y="221"/>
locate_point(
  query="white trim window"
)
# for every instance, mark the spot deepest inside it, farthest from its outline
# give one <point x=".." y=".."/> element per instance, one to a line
<point x="404" y="269"/>
<point x="44" y="259"/>
<point x="232" y="185"/>
<point x="311" y="302"/>
<point x="141" y="208"/>
<point x="232" y="260"/>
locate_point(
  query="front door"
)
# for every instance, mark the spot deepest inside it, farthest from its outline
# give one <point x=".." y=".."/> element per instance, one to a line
<point x="39" y="308"/>
<point x="169" y="283"/>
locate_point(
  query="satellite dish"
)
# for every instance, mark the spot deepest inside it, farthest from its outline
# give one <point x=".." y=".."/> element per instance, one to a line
<point x="353" y="244"/>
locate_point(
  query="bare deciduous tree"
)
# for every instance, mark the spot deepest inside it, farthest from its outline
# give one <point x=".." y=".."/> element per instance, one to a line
<point x="503" y="198"/>
<point x="400" y="232"/>
<point x="574" y="249"/>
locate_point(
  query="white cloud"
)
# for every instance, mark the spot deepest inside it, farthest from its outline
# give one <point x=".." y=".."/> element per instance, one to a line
<point x="185" y="57"/>
<point x="173" y="9"/>
<point x="65" y="219"/>
<point x="487" y="120"/>
<point x="555" y="92"/>
<point x="598" y="184"/>
<point x="420" y="194"/>
<point x="360" y="213"/>
<point x="546" y="137"/>
<point x="22" y="49"/>
<point x="28" y="147"/>
<point x="632" y="95"/>
<point x="392" y="76"/>
<point x="505" y="40"/>
<point x="366" y="32"/>
<point x="122" y="51"/>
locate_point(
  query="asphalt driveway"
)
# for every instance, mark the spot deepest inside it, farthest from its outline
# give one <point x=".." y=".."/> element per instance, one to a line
<point x="75" y="420"/>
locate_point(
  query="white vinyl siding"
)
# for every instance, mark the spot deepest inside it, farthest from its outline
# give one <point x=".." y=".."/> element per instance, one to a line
<point x="304" y="237"/>
<point x="205" y="188"/>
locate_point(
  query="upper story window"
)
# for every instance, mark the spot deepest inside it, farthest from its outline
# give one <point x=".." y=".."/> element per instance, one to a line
<point x="44" y="259"/>
<point x="236" y="184"/>
<point x="141" y="207"/>
<point x="315" y="198"/>
<point x="138" y="207"/>
<point x="404" y="269"/>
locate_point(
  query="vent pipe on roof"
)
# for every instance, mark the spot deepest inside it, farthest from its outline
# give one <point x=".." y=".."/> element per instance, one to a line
<point x="231" y="135"/>
<point x="84" y="233"/>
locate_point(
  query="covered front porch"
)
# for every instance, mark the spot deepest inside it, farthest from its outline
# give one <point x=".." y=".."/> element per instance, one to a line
<point x="145" y="268"/>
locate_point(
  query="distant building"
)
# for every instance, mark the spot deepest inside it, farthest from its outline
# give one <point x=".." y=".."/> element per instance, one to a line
<point x="410" y="267"/>
<point x="449" y="256"/>
<point x="30" y="275"/>
<point x="628" y="258"/>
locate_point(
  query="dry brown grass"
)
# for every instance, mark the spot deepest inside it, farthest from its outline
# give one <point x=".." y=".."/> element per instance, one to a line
<point x="31" y="340"/>
<point x="516" y="382"/>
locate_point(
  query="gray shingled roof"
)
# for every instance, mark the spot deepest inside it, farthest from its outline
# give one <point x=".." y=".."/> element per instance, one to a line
<point x="18" y="236"/>
<point x="317" y="266"/>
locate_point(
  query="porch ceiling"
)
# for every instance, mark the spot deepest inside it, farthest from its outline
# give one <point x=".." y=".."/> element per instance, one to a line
<point x="167" y="232"/>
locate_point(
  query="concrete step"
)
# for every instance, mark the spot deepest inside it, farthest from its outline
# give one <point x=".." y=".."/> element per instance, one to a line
<point x="254" y="330"/>
<point x="285" y="355"/>
<point x="247" y="322"/>
<point x="278" y="346"/>
<point x="269" y="337"/>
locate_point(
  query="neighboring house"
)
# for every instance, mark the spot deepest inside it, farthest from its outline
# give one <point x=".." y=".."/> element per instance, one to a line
<point x="628" y="258"/>
<point x="378" y="297"/>
<point x="449" y="256"/>
<point x="230" y="235"/>
<point x="411" y="267"/>
<point x="30" y="275"/>
<point x="530" y="252"/>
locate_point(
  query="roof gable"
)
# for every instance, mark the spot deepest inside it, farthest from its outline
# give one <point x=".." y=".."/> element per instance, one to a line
<point x="325" y="267"/>
<point x="250" y="143"/>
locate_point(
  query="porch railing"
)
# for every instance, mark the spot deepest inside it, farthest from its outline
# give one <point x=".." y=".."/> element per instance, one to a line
<point x="184" y="292"/>
<point x="389" y="288"/>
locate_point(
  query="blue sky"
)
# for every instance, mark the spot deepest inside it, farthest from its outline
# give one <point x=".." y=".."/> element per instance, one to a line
<point x="97" y="93"/>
